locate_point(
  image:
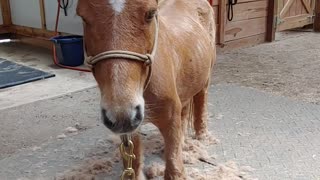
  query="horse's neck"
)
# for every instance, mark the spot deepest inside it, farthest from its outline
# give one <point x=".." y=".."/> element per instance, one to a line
<point x="168" y="5"/>
<point x="166" y="43"/>
<point x="164" y="32"/>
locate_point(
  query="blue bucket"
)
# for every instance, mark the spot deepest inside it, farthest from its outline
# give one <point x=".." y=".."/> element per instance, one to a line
<point x="69" y="50"/>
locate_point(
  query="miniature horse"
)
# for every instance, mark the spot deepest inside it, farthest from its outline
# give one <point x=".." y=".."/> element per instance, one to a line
<point x="181" y="68"/>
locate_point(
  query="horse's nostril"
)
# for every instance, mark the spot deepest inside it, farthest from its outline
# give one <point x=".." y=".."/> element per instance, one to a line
<point x="106" y="120"/>
<point x="125" y="122"/>
<point x="139" y="115"/>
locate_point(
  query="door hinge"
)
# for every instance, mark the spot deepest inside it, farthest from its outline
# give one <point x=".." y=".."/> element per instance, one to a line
<point x="277" y="21"/>
<point x="311" y="17"/>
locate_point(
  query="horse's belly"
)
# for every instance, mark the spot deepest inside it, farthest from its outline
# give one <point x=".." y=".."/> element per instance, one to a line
<point x="195" y="70"/>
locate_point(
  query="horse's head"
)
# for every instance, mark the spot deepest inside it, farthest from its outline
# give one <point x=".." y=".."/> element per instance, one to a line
<point x="119" y="25"/>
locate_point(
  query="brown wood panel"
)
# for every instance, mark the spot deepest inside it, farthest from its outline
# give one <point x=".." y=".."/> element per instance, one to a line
<point x="244" y="42"/>
<point x="35" y="41"/>
<point x="302" y="9"/>
<point x="299" y="7"/>
<point x="222" y="22"/>
<point x="32" y="32"/>
<point x="216" y="13"/>
<point x="42" y="14"/>
<point x="313" y="4"/>
<point x="293" y="13"/>
<point x="4" y="29"/>
<point x="217" y="33"/>
<point x="285" y="10"/>
<point x="250" y="10"/>
<point x="6" y="12"/>
<point x="280" y="5"/>
<point x="316" y="25"/>
<point x="271" y="21"/>
<point x="215" y="3"/>
<point x="246" y="28"/>
<point x="295" y="22"/>
<point x="244" y="1"/>
<point x="292" y="10"/>
<point x="307" y="6"/>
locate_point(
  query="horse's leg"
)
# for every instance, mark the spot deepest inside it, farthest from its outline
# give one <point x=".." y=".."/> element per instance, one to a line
<point x="201" y="113"/>
<point x="184" y="121"/>
<point x="138" y="162"/>
<point x="170" y="129"/>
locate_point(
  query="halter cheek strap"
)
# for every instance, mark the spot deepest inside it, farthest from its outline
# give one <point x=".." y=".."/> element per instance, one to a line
<point x="147" y="59"/>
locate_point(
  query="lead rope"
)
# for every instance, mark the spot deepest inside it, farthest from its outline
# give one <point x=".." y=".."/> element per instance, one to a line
<point x="126" y="150"/>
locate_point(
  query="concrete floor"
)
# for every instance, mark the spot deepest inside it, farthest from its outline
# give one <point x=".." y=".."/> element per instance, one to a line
<point x="263" y="107"/>
<point x="287" y="67"/>
<point x="66" y="81"/>
<point x="276" y="136"/>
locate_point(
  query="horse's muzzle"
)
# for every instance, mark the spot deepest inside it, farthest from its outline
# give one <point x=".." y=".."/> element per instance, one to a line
<point x="125" y="124"/>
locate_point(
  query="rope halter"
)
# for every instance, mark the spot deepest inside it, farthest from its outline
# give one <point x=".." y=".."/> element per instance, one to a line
<point x="147" y="59"/>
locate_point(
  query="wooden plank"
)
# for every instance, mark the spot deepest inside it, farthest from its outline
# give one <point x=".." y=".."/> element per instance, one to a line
<point x="299" y="7"/>
<point x="313" y="4"/>
<point x="292" y="9"/>
<point x="286" y="8"/>
<point x="246" y="28"/>
<point x="250" y="10"/>
<point x="215" y="3"/>
<point x="32" y="32"/>
<point x="217" y="33"/>
<point x="34" y="41"/>
<point x="295" y="22"/>
<point x="222" y="21"/>
<point x="4" y="29"/>
<point x="271" y="20"/>
<point x="303" y="9"/>
<point x="296" y="18"/>
<point x="216" y="13"/>
<point x="307" y="6"/>
<point x="280" y="4"/>
<point x="316" y="25"/>
<point x="244" y="42"/>
<point x="6" y="12"/>
<point x="43" y="14"/>
<point x="244" y="1"/>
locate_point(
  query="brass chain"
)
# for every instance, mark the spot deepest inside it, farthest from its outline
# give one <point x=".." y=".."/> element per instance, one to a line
<point x="126" y="150"/>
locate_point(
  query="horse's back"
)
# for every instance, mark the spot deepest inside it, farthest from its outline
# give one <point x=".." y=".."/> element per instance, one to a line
<point x="199" y="11"/>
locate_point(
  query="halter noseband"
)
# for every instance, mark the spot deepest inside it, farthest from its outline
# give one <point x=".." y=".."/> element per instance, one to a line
<point x="147" y="59"/>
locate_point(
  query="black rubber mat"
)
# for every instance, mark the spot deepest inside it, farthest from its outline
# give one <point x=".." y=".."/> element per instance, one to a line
<point x="12" y="74"/>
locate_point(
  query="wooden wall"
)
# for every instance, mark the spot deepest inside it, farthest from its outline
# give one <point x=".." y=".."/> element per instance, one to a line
<point x="1" y="17"/>
<point x="67" y="24"/>
<point x="316" y="25"/>
<point x="5" y="16"/>
<point x="248" y="27"/>
<point x="37" y="18"/>
<point x="249" y="24"/>
<point x="294" y="13"/>
<point x="297" y="8"/>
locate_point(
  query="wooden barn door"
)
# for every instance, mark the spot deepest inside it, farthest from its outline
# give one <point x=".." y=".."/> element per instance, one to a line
<point x="294" y="13"/>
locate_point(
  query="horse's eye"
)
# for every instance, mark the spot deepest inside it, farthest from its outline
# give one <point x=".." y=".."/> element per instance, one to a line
<point x="150" y="15"/>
